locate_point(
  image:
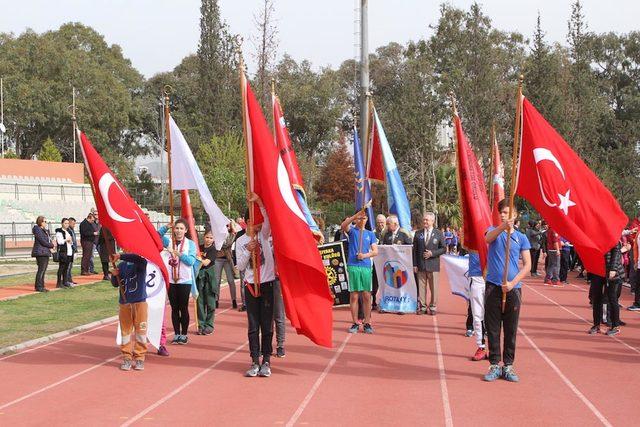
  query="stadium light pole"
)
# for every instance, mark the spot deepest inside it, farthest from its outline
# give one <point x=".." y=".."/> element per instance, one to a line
<point x="73" y="119"/>
<point x="364" y="71"/>
<point x="2" y="127"/>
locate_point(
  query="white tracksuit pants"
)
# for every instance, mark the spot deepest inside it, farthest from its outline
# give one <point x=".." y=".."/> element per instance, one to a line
<point x="477" y="308"/>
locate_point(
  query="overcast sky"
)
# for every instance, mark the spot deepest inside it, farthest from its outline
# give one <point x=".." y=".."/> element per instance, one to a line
<point x="156" y="34"/>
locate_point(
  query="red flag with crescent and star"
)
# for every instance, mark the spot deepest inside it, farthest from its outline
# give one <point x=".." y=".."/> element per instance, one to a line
<point x="568" y="195"/>
<point x="307" y="299"/>
<point x="119" y="212"/>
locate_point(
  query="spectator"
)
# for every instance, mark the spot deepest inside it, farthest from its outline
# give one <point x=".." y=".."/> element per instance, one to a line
<point x="87" y="239"/>
<point x="395" y="235"/>
<point x="74" y="245"/>
<point x="477" y="288"/>
<point x="534" y="234"/>
<point x="428" y="245"/>
<point x="609" y="285"/>
<point x="65" y="254"/>
<point x="553" y="258"/>
<point x="42" y="246"/>
<point x="565" y="260"/>
<point x="106" y="246"/>
<point x="224" y="261"/>
<point x="181" y="275"/>
<point x="448" y="237"/>
<point x="96" y="228"/>
<point x="208" y="287"/>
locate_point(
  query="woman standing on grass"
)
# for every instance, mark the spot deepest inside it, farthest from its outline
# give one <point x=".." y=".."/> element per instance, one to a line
<point x="42" y="246"/>
<point x="180" y="265"/>
<point x="65" y="253"/>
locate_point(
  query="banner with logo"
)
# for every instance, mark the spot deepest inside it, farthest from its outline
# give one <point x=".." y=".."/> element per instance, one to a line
<point x="335" y="265"/>
<point x="156" y="300"/>
<point x="397" y="291"/>
<point x="454" y="270"/>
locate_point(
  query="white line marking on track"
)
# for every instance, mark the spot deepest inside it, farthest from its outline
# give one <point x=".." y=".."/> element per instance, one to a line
<point x="183" y="386"/>
<point x="318" y="382"/>
<point x="448" y="418"/>
<point x="77" y="374"/>
<point x="581" y="318"/>
<point x="568" y="382"/>
<point x="579" y="287"/>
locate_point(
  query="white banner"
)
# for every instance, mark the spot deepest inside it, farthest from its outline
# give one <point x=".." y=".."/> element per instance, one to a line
<point x="397" y="291"/>
<point x="454" y="270"/>
<point x="156" y="300"/>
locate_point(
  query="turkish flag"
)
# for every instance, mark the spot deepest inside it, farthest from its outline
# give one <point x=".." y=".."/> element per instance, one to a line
<point x="119" y="212"/>
<point x="284" y="145"/>
<point x="566" y="192"/>
<point x="305" y="290"/>
<point x="497" y="179"/>
<point x="476" y="215"/>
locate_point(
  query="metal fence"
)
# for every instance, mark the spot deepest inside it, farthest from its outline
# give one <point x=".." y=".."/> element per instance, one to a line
<point x="62" y="191"/>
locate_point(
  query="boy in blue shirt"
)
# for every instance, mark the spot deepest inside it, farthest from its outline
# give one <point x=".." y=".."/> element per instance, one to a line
<point x="494" y="318"/>
<point x="130" y="277"/>
<point x="359" y="267"/>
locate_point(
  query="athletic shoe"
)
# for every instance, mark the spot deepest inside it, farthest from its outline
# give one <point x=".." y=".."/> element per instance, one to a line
<point x="280" y="352"/>
<point x="432" y="311"/>
<point x="200" y="331"/>
<point x="175" y="340"/>
<point x="354" y="328"/>
<point x="139" y="365"/>
<point x="234" y="304"/>
<point x="242" y="308"/>
<point x="481" y="354"/>
<point x="47" y="290"/>
<point x="469" y="333"/>
<point x="634" y="307"/>
<point x="368" y="329"/>
<point x="613" y="331"/>
<point x="265" y="370"/>
<point x="509" y="374"/>
<point x="162" y="351"/>
<point x="126" y="365"/>
<point x="253" y="370"/>
<point x="183" y="339"/>
<point x="621" y="323"/>
<point x="207" y="331"/>
<point x="547" y="282"/>
<point x="557" y="284"/>
<point x="565" y="283"/>
<point x="594" y="330"/>
<point x="494" y="373"/>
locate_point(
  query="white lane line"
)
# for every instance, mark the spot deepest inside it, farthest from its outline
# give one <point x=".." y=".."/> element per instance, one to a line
<point x="318" y="382"/>
<point x="579" y="287"/>
<point x="448" y="418"/>
<point x="70" y="377"/>
<point x="568" y="382"/>
<point x="581" y="318"/>
<point x="183" y="386"/>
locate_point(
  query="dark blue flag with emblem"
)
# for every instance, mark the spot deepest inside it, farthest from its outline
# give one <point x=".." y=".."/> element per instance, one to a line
<point x="362" y="189"/>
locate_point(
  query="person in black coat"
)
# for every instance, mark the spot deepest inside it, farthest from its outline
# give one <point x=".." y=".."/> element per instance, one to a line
<point x="428" y="245"/>
<point x="87" y="238"/>
<point x="42" y="246"/>
<point x="106" y="244"/>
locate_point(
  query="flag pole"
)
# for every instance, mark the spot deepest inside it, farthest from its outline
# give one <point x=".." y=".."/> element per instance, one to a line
<point x="491" y="165"/>
<point x="167" y="134"/>
<point x="73" y="118"/>
<point x="365" y="178"/>
<point x="512" y="195"/>
<point x="255" y="260"/>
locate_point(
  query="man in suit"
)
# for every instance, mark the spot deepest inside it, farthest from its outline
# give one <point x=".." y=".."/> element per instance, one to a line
<point x="87" y="237"/>
<point x="395" y="235"/>
<point x="428" y="245"/>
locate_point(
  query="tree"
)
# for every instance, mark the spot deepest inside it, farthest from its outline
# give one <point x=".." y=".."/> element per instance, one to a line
<point x="266" y="45"/>
<point x="336" y="175"/>
<point x="49" y="152"/>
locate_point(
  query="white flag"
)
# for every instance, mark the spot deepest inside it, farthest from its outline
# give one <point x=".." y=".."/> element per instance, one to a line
<point x="455" y="271"/>
<point x="186" y="175"/>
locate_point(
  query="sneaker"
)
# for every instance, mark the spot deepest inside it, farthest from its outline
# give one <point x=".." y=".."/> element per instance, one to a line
<point x="509" y="374"/>
<point x="207" y="331"/>
<point x="469" y="333"/>
<point x="183" y="340"/>
<point x="594" y="330"/>
<point x="368" y="329"/>
<point x="176" y="339"/>
<point x="242" y="308"/>
<point x="162" y="351"/>
<point x="613" y="331"/>
<point x="253" y="370"/>
<point x="47" y="290"/>
<point x="621" y="323"/>
<point x="494" y="373"/>
<point x="481" y="354"/>
<point x="547" y="282"/>
<point x="432" y="311"/>
<point x="354" y="328"/>
<point x="280" y="352"/>
<point x="139" y="365"/>
<point x="265" y="370"/>
<point x="200" y="331"/>
<point x="234" y="304"/>
<point x="557" y="284"/>
<point x="126" y="365"/>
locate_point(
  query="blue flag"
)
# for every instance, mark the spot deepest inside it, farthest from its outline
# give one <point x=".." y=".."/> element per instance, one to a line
<point x="362" y="197"/>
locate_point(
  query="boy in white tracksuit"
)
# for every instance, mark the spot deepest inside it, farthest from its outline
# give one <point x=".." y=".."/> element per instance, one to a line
<point x="476" y="299"/>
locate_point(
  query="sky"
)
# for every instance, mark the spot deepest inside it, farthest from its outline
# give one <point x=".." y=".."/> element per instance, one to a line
<point x="156" y="34"/>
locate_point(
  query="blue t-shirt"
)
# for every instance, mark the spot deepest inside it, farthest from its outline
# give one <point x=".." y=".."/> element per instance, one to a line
<point x="566" y="248"/>
<point x="368" y="239"/>
<point x="474" y="265"/>
<point x="133" y="275"/>
<point x="497" y="249"/>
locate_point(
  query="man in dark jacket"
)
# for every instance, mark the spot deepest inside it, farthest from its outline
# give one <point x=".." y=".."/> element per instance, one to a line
<point x="609" y="285"/>
<point x="87" y="239"/>
<point x="428" y="245"/>
<point x="394" y="235"/>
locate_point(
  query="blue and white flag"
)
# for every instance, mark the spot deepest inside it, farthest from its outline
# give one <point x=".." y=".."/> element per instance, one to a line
<point x="362" y="189"/>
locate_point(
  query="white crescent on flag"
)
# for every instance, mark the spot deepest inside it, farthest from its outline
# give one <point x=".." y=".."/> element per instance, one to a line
<point x="540" y="154"/>
<point x="104" y="185"/>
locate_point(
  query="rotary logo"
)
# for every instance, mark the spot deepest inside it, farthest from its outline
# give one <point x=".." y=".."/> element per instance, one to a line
<point x="395" y="274"/>
<point x="332" y="277"/>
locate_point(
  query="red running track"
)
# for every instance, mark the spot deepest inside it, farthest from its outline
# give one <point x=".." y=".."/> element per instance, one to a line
<point x="415" y="370"/>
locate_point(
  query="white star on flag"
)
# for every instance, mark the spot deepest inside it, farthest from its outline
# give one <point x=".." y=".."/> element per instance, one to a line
<point x="565" y="202"/>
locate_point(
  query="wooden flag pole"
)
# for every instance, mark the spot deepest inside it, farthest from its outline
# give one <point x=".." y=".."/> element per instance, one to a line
<point x="167" y="134"/>
<point x="255" y="259"/>
<point x="491" y="165"/>
<point x="512" y="195"/>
